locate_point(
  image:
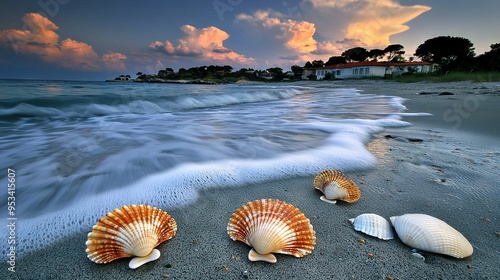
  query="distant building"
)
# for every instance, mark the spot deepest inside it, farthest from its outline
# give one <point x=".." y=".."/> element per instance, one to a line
<point x="266" y="75"/>
<point x="370" y="69"/>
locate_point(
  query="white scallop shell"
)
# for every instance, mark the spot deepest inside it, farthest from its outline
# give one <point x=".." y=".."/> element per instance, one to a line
<point x="431" y="234"/>
<point x="373" y="225"/>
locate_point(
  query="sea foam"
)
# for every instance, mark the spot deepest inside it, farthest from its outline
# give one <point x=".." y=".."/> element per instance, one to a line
<point x="87" y="151"/>
<point x="344" y="150"/>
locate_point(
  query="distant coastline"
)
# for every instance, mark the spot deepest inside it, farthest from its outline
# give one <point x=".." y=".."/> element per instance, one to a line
<point x="158" y="80"/>
<point x="492" y="76"/>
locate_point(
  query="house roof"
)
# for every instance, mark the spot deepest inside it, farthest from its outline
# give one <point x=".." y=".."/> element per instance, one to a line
<point x="374" y="63"/>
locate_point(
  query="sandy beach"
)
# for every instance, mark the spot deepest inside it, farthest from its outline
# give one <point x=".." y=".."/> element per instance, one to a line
<point x="445" y="165"/>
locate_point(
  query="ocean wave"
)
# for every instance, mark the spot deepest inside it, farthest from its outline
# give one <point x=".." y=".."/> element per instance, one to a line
<point x="85" y="150"/>
<point x="344" y="150"/>
<point x="141" y="103"/>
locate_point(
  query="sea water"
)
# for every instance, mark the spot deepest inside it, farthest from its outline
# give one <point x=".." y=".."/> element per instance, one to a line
<point x="82" y="149"/>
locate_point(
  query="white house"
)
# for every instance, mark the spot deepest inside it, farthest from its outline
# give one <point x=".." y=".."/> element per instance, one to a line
<point x="371" y="69"/>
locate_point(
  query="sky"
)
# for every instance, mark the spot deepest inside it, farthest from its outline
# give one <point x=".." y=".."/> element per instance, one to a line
<point x="98" y="40"/>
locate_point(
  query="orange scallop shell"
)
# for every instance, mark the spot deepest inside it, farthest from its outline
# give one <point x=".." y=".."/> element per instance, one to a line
<point x="128" y="231"/>
<point x="344" y="188"/>
<point x="272" y="226"/>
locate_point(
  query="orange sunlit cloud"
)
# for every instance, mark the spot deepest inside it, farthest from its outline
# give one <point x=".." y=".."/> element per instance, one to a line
<point x="298" y="35"/>
<point x="372" y="24"/>
<point x="40" y="38"/>
<point x="114" y="60"/>
<point x="205" y="43"/>
<point x="373" y="21"/>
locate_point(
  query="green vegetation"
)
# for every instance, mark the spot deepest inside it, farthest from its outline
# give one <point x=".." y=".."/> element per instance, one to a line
<point x="448" y="53"/>
<point x="454" y="57"/>
<point x="215" y="74"/>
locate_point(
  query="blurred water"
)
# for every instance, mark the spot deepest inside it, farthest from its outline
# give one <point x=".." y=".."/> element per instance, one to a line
<point x="81" y="149"/>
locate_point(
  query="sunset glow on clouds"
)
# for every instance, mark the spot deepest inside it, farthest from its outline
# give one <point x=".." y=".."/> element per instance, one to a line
<point x="205" y="44"/>
<point x="371" y="24"/>
<point x="297" y="35"/>
<point x="98" y="40"/>
<point x="373" y="21"/>
<point x="40" y="38"/>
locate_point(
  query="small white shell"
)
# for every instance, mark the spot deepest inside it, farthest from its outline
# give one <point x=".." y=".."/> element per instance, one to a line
<point x="373" y="225"/>
<point x="418" y="256"/>
<point x="431" y="234"/>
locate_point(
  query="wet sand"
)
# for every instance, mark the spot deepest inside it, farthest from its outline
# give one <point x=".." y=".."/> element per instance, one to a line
<point x="435" y="166"/>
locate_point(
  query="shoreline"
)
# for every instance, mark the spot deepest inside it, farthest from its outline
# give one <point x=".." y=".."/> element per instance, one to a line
<point x="450" y="174"/>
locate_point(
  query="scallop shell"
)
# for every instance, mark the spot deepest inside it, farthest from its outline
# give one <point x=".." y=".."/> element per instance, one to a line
<point x="272" y="226"/>
<point x="133" y="230"/>
<point x="431" y="234"/>
<point x="373" y="225"/>
<point x="335" y="185"/>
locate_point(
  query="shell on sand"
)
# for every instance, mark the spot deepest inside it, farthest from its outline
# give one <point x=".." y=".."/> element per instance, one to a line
<point x="335" y="185"/>
<point x="373" y="225"/>
<point x="431" y="234"/>
<point x="272" y="226"/>
<point x="128" y="231"/>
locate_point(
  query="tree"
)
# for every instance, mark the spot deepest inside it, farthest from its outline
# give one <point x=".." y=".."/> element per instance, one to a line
<point x="376" y="54"/>
<point x="317" y="63"/>
<point x="395" y="52"/>
<point x="449" y="52"/>
<point x="297" y="70"/>
<point x="355" y="54"/>
<point x="490" y="60"/>
<point x="182" y="72"/>
<point x="276" y="73"/>
<point x="162" y="73"/>
<point x="308" y="65"/>
<point x="335" y="60"/>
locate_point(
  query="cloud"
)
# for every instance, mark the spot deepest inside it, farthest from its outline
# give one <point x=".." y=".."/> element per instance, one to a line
<point x="318" y="4"/>
<point x="204" y="44"/>
<point x="373" y="21"/>
<point x="337" y="47"/>
<point x="297" y="35"/>
<point x="327" y="48"/>
<point x="39" y="38"/>
<point x="114" y="60"/>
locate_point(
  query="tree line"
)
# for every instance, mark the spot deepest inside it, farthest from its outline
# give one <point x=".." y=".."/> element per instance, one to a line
<point x="219" y="74"/>
<point x="449" y="53"/>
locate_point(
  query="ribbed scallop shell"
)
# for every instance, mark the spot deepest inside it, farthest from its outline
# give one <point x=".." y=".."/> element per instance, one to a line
<point x="373" y="225"/>
<point x="335" y="185"/>
<point x="133" y="230"/>
<point x="272" y="226"/>
<point x="431" y="234"/>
